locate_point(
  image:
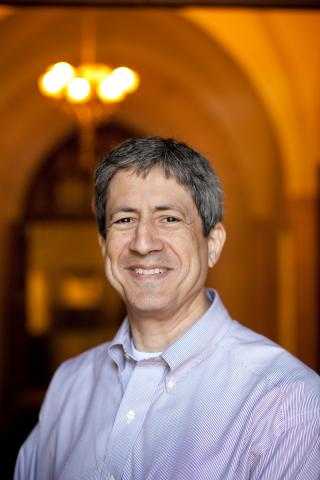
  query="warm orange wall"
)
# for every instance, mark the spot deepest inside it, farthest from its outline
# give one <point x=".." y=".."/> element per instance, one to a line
<point x="279" y="51"/>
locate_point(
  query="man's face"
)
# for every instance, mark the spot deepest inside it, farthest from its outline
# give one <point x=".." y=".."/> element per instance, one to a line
<point x="156" y="255"/>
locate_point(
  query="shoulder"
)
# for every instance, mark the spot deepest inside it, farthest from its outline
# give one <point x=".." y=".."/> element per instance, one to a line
<point x="87" y="363"/>
<point x="88" y="360"/>
<point x="268" y="360"/>
<point x="287" y="390"/>
<point x="76" y="375"/>
<point x="282" y="393"/>
<point x="251" y="355"/>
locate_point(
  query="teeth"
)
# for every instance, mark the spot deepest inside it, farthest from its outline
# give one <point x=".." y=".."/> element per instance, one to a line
<point x="153" y="271"/>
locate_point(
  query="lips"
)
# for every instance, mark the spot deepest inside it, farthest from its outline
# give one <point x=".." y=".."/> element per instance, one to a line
<point x="152" y="271"/>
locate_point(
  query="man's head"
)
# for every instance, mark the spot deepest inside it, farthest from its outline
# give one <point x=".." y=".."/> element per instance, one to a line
<point x="189" y="168"/>
<point x="159" y="206"/>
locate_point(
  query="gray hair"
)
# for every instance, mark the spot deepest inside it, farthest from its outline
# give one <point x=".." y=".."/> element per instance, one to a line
<point x="178" y="160"/>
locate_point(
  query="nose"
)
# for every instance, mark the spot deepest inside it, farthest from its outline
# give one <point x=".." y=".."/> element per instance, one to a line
<point x="145" y="239"/>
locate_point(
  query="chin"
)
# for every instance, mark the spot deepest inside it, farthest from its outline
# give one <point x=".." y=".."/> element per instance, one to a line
<point x="148" y="303"/>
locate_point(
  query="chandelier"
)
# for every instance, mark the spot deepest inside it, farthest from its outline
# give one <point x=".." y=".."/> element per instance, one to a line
<point x="90" y="92"/>
<point x="88" y="83"/>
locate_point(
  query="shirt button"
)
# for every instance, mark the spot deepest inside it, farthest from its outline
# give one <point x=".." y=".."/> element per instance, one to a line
<point x="110" y="477"/>
<point x="171" y="383"/>
<point x="130" y="416"/>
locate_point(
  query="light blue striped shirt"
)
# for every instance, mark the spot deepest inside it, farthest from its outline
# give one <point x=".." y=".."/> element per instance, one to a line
<point x="220" y="403"/>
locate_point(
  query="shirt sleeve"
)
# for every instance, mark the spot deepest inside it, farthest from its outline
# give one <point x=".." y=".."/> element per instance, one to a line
<point x="294" y="452"/>
<point x="294" y="456"/>
<point x="26" y="464"/>
<point x="32" y="458"/>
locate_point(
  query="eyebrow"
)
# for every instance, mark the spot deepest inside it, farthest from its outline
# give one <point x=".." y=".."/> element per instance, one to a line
<point x="158" y="208"/>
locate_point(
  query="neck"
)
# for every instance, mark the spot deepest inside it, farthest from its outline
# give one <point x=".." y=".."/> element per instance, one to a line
<point x="155" y="331"/>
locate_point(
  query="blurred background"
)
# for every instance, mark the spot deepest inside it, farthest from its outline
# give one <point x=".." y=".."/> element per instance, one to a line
<point x="240" y="85"/>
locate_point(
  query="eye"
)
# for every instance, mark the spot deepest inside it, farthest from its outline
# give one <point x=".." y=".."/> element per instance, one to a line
<point x="171" y="219"/>
<point x="124" y="220"/>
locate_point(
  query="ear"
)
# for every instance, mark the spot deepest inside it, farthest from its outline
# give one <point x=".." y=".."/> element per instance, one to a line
<point x="216" y="239"/>
<point x="102" y="244"/>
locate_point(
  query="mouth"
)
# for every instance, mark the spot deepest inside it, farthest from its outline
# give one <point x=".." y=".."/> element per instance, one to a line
<point x="153" y="272"/>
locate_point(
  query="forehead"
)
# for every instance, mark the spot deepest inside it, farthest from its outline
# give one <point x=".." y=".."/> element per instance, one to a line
<point x="155" y="187"/>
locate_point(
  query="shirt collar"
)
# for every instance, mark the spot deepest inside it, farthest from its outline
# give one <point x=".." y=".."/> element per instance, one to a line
<point x="204" y="333"/>
<point x="119" y="348"/>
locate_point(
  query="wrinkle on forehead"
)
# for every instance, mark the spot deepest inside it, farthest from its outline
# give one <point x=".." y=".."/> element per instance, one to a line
<point x="166" y="173"/>
<point x="176" y="191"/>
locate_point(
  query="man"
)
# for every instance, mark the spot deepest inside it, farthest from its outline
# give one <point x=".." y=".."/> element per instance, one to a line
<point x="182" y="391"/>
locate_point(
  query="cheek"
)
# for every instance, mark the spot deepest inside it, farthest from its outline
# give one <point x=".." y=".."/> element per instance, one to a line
<point x="198" y="255"/>
<point x="110" y="256"/>
<point x="115" y="247"/>
<point x="112" y="277"/>
<point x="190" y="258"/>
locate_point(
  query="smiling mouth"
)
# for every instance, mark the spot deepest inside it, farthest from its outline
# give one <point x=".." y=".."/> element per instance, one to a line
<point x="155" y="272"/>
<point x="151" y="271"/>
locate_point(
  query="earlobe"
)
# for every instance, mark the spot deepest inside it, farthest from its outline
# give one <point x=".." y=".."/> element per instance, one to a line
<point x="216" y="239"/>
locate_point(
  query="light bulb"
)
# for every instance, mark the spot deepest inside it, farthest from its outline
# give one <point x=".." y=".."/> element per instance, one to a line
<point x="110" y="90"/>
<point x="78" y="90"/>
<point x="127" y="78"/>
<point x="51" y="84"/>
<point x="64" y="70"/>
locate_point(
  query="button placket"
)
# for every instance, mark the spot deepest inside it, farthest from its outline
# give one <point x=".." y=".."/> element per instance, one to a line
<point x="138" y="397"/>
